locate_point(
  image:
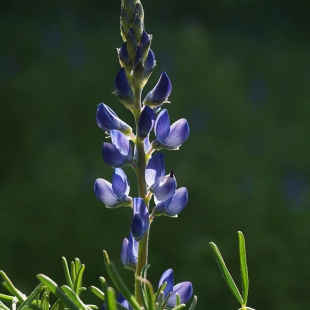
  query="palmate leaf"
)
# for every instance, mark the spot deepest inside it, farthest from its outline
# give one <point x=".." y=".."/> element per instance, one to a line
<point x="228" y="278"/>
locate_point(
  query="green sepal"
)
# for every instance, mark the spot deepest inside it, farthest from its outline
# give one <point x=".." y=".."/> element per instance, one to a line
<point x="131" y="45"/>
<point x="227" y="277"/>
<point x="67" y="272"/>
<point x="96" y="291"/>
<point x="54" y="288"/>
<point x="32" y="296"/>
<point x="125" y="23"/>
<point x="137" y="27"/>
<point x="119" y="283"/>
<point x="11" y="288"/>
<point x="194" y="303"/>
<point x="243" y="267"/>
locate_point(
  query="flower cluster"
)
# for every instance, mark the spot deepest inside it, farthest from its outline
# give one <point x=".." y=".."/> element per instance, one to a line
<point x="138" y="150"/>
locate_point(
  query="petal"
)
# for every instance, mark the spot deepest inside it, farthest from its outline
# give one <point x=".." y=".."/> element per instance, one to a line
<point x="179" y="132"/>
<point x="120" y="183"/>
<point x="122" y="88"/>
<point x="140" y="220"/>
<point x="174" y="205"/>
<point x="160" y="93"/>
<point x="121" y="143"/>
<point x="162" y="126"/>
<point x="185" y="291"/>
<point x="108" y="120"/>
<point x="164" y="187"/>
<point x="123" y="55"/>
<point x="137" y="227"/>
<point x="104" y="192"/>
<point x="167" y="277"/>
<point x="111" y="156"/>
<point x="155" y="168"/>
<point x="124" y="251"/>
<point x="149" y="63"/>
<point x="146" y="122"/>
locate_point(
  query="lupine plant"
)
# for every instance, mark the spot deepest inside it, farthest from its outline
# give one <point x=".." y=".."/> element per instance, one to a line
<point x="158" y="194"/>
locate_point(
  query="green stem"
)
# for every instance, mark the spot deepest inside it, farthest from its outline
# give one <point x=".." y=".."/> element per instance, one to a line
<point x="143" y="244"/>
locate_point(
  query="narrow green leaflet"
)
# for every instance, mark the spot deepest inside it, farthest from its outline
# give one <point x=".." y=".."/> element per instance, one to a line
<point x="119" y="283"/>
<point x="54" y="288"/>
<point x="111" y="300"/>
<point x="194" y="303"/>
<point x="97" y="292"/>
<point x="6" y="298"/>
<point x="243" y="267"/>
<point x="228" y="278"/>
<point x="3" y="306"/>
<point x="78" y="279"/>
<point x="73" y="296"/>
<point x="149" y="292"/>
<point x="36" y="292"/>
<point x="45" y="300"/>
<point x="67" y="272"/>
<point x="11" y="287"/>
<point x="181" y="306"/>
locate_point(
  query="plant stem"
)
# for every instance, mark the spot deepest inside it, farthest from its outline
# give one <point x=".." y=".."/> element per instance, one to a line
<point x="143" y="243"/>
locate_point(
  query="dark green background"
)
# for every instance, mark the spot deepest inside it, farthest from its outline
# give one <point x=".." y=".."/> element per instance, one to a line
<point x="240" y="72"/>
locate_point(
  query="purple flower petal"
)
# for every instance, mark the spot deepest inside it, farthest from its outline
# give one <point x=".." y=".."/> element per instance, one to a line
<point x="167" y="277"/>
<point x="185" y="291"/>
<point x="120" y="183"/>
<point x="124" y="56"/>
<point x="111" y="156"/>
<point x="160" y="93"/>
<point x="108" y="120"/>
<point x="179" y="132"/>
<point x="129" y="253"/>
<point x="155" y="168"/>
<point x="164" y="187"/>
<point x="174" y="205"/>
<point x="149" y="63"/>
<point x="122" y="88"/>
<point x="146" y="122"/>
<point x="122" y="144"/>
<point x="162" y="126"/>
<point x="140" y="220"/>
<point x="104" y="192"/>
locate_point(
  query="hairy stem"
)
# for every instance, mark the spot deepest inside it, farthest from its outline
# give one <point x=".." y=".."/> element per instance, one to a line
<point x="143" y="244"/>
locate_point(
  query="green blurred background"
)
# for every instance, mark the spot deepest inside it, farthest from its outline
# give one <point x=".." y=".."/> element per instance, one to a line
<point x="240" y="71"/>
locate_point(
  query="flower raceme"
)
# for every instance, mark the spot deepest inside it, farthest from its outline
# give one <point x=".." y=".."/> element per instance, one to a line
<point x="169" y="137"/>
<point x="119" y="152"/>
<point x="183" y="289"/>
<point x="116" y="194"/>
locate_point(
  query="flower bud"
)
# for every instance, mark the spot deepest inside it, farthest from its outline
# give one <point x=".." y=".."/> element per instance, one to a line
<point x="146" y="122"/>
<point x="140" y="220"/>
<point x="123" y="90"/>
<point x="124" y="58"/>
<point x="125" y="23"/>
<point x="131" y="44"/>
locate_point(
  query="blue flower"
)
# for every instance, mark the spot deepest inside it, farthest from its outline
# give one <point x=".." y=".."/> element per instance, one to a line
<point x="161" y="185"/>
<point x="129" y="254"/>
<point x="108" y="120"/>
<point x="140" y="220"/>
<point x="173" y="205"/>
<point x="123" y="90"/>
<point x="183" y="289"/>
<point x="124" y="58"/>
<point x="146" y="122"/>
<point x="169" y="137"/>
<point x="120" y="300"/>
<point x="119" y="152"/>
<point x="160" y="93"/>
<point x="116" y="194"/>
